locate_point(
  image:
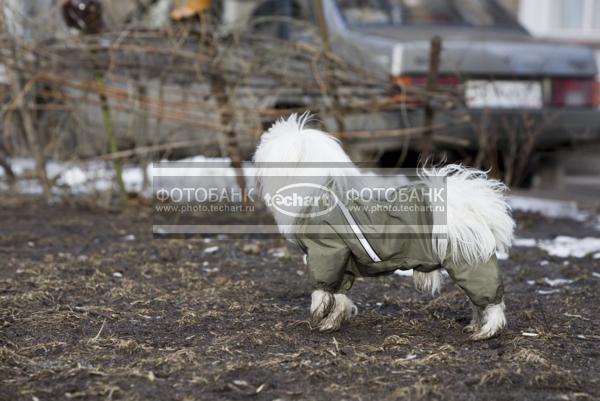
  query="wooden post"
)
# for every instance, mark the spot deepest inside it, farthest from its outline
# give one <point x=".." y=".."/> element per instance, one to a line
<point x="218" y="89"/>
<point x="25" y="108"/>
<point x="432" y="84"/>
<point x="330" y="86"/>
<point x="232" y="147"/>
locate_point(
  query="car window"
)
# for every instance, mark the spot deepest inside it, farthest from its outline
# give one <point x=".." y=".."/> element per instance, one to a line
<point x="480" y="13"/>
<point x="286" y="20"/>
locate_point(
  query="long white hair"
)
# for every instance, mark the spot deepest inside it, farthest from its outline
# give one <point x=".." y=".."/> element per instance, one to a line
<point x="478" y="217"/>
<point x="478" y="220"/>
<point x="289" y="152"/>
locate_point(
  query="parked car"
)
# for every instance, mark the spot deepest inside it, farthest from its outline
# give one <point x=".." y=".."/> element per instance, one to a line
<point x="506" y="77"/>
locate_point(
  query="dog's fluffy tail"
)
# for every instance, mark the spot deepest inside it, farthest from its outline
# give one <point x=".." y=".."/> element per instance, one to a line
<point x="478" y="217"/>
<point x="428" y="282"/>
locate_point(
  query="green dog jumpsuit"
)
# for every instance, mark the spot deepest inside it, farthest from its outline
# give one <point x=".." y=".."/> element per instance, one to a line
<point x="371" y="239"/>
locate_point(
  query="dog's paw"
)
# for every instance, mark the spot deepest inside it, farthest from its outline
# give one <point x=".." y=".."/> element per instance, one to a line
<point x="343" y="310"/>
<point x="332" y="322"/>
<point x="329" y="311"/>
<point x="483" y="334"/>
<point x="471" y="328"/>
<point x="321" y="305"/>
<point x="493" y="322"/>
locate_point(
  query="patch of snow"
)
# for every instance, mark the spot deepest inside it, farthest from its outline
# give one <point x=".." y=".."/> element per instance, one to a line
<point x="547" y="292"/>
<point x="548" y="207"/>
<point x="565" y="247"/>
<point x="596" y="274"/>
<point x="404" y="273"/>
<point x="20" y="165"/>
<point x="205" y="167"/>
<point x="73" y="177"/>
<point x="502" y="255"/>
<point x="524" y="242"/>
<point x="133" y="178"/>
<point x="544" y="263"/>
<point x="530" y="282"/>
<point x="211" y="250"/>
<point x="94" y="176"/>
<point x="526" y="334"/>
<point x="596" y="256"/>
<point x="117" y="275"/>
<point x="557" y="281"/>
<point x="129" y="237"/>
<point x="84" y="178"/>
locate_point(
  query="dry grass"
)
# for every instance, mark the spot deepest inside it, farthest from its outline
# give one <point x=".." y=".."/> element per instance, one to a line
<point x="423" y="389"/>
<point x="499" y="376"/>
<point x="167" y="329"/>
<point x="530" y="356"/>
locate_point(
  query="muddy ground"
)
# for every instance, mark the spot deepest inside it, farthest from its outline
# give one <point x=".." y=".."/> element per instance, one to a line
<point x="92" y="308"/>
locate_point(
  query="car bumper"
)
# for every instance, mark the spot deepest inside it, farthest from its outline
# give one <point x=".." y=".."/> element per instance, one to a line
<point x="550" y="128"/>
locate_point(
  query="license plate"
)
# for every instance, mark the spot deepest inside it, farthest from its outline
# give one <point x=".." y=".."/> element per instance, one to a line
<point x="504" y="94"/>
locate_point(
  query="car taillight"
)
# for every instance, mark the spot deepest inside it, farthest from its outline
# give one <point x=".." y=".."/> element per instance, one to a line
<point x="573" y="92"/>
<point x="444" y="82"/>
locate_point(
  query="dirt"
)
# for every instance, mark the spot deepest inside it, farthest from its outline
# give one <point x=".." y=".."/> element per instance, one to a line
<point x="93" y="308"/>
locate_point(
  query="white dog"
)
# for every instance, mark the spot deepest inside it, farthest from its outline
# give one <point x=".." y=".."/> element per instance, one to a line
<point x="353" y="238"/>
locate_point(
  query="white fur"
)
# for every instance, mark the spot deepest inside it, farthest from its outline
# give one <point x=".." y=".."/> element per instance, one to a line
<point x="428" y="282"/>
<point x="317" y="299"/>
<point x="300" y="148"/>
<point x="492" y="321"/>
<point x="478" y="217"/>
<point x="329" y="317"/>
<point x="343" y="310"/>
<point x="321" y="304"/>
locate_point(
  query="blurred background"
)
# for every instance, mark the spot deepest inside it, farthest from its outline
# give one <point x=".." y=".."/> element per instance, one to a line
<point x="93" y="91"/>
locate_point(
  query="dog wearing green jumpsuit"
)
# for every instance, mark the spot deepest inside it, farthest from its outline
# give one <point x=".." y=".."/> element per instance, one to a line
<point x="358" y="237"/>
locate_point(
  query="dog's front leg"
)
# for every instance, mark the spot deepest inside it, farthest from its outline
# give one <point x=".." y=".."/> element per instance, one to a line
<point x="328" y="311"/>
<point x="475" y="323"/>
<point x="321" y="305"/>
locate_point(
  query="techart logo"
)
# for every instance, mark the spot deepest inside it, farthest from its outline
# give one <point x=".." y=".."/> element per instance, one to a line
<point x="303" y="200"/>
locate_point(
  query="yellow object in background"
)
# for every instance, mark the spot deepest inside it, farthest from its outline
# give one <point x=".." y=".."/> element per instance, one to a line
<point x="190" y="8"/>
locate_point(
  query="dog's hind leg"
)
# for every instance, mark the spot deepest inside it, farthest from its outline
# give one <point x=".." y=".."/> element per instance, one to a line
<point x="483" y="285"/>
